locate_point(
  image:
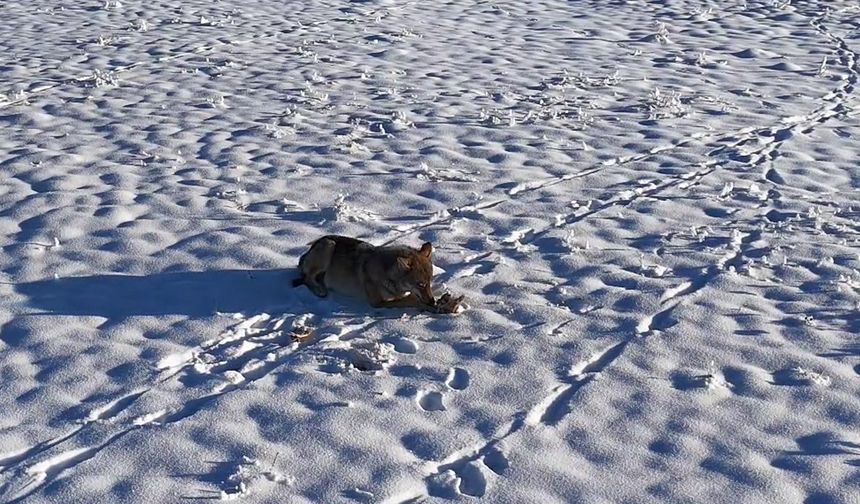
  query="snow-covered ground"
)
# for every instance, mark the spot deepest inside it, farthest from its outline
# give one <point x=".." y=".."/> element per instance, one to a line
<point x="653" y="209"/>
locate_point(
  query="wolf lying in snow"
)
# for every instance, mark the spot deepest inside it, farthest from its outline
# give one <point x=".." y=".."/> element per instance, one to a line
<point x="390" y="276"/>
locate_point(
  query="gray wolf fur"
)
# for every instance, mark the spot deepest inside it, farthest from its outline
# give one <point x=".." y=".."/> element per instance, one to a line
<point x="386" y="276"/>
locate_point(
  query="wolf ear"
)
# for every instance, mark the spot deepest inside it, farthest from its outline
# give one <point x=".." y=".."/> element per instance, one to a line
<point x="426" y="249"/>
<point x="405" y="263"/>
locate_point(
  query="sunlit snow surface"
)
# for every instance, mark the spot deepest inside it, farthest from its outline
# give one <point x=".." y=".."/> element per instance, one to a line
<point x="652" y="209"/>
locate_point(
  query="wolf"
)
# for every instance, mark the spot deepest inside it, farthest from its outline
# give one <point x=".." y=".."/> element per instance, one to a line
<point x="386" y="276"/>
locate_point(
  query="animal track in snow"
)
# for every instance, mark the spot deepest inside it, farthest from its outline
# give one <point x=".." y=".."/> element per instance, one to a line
<point x="462" y="473"/>
<point x="466" y="473"/>
<point x="555" y="406"/>
<point x="244" y="364"/>
<point x="472" y="480"/>
<point x="48" y="470"/>
<point x="430" y="400"/>
<point x="442" y="217"/>
<point x="712" y="380"/>
<point x="112" y="409"/>
<point x="496" y="460"/>
<point x="12" y="459"/>
<point x="659" y="321"/>
<point x="543" y="184"/>
<point x="624" y="198"/>
<point x="477" y="264"/>
<point x="405" y="346"/>
<point x="458" y="379"/>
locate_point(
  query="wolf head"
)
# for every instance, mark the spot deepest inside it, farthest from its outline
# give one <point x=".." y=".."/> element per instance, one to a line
<point x="414" y="273"/>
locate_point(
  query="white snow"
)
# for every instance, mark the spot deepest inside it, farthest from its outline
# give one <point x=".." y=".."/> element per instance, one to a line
<point x="650" y="206"/>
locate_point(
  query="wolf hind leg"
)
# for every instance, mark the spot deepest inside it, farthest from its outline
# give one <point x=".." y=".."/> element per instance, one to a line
<point x="315" y="264"/>
<point x="318" y="285"/>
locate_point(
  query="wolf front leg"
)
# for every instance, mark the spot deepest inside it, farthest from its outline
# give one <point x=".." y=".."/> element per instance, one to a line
<point x="408" y="301"/>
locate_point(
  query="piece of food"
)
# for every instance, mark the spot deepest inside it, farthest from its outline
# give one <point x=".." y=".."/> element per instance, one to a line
<point x="447" y="304"/>
<point x="301" y="333"/>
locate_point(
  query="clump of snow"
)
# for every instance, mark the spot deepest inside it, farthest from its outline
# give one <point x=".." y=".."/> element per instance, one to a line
<point x="343" y="211"/>
<point x="662" y="105"/>
<point x="370" y="355"/>
<point x="801" y="376"/>
<point x="248" y="476"/>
